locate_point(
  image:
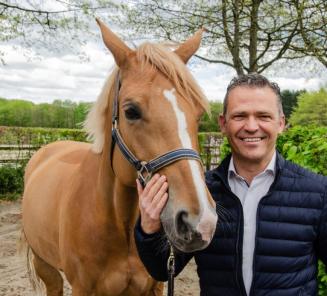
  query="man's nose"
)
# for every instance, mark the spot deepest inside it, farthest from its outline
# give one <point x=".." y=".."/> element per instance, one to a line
<point x="251" y="124"/>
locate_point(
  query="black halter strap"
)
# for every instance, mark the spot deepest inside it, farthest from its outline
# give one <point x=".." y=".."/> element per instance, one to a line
<point x="145" y="169"/>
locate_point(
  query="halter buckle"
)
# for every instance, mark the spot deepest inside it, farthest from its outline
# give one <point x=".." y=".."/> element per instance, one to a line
<point x="114" y="124"/>
<point x="143" y="174"/>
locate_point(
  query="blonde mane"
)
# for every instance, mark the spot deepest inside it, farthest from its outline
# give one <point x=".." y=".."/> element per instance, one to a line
<point x="167" y="63"/>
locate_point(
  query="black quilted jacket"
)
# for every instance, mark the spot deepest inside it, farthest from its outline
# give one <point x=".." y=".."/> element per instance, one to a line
<point x="291" y="235"/>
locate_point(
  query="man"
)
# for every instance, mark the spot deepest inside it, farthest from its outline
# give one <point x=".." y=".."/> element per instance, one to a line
<point x="273" y="225"/>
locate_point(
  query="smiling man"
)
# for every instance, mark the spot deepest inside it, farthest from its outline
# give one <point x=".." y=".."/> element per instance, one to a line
<point x="273" y="222"/>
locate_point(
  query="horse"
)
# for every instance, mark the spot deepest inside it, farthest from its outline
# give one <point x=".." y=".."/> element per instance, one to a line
<point x="80" y="202"/>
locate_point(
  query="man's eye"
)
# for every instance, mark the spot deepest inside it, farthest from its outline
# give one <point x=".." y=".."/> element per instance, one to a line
<point x="238" y="117"/>
<point x="265" y="117"/>
<point x="133" y="113"/>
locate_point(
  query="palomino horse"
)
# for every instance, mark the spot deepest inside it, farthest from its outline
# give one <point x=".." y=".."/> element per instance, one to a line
<point x="80" y="202"/>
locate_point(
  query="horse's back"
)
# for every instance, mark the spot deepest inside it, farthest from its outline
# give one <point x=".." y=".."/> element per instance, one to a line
<point x="63" y="151"/>
<point x="48" y="181"/>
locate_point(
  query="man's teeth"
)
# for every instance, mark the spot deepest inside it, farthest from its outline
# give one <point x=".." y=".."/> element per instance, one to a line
<point x="252" y="139"/>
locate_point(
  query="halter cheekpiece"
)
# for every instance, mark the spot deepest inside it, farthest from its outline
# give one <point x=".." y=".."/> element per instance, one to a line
<point x="145" y="169"/>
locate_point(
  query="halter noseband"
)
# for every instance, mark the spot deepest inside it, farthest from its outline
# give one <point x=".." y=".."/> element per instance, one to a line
<point x="145" y="169"/>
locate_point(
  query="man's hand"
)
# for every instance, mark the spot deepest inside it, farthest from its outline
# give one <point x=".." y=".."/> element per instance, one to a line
<point x="152" y="200"/>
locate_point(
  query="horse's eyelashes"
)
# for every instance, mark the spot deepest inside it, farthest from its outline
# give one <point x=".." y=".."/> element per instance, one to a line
<point x="133" y="113"/>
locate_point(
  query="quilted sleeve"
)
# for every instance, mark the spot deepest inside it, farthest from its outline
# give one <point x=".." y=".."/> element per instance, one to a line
<point x="154" y="252"/>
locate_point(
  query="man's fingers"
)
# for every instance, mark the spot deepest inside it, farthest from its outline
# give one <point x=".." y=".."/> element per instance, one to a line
<point x="160" y="194"/>
<point x="152" y="200"/>
<point x="139" y="187"/>
<point x="150" y="183"/>
<point x="160" y="205"/>
<point x="156" y="187"/>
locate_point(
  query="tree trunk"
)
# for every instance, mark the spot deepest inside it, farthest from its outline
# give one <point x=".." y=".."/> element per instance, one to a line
<point x="253" y="45"/>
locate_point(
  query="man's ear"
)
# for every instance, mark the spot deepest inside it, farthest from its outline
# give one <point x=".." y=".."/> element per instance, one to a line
<point x="222" y="123"/>
<point x="281" y="124"/>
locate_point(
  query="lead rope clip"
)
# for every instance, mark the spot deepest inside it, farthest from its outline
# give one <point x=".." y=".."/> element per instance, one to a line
<point x="171" y="271"/>
<point x="143" y="174"/>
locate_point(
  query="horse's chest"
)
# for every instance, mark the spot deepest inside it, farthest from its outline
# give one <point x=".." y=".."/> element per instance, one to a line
<point x="128" y="278"/>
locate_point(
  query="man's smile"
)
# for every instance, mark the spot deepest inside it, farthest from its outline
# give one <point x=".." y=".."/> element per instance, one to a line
<point x="251" y="139"/>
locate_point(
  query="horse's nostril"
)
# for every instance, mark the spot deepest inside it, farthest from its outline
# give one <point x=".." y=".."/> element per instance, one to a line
<point x="183" y="226"/>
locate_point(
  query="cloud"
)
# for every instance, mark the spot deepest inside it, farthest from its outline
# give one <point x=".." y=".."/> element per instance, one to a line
<point x="66" y="76"/>
<point x="309" y="84"/>
<point x="54" y="77"/>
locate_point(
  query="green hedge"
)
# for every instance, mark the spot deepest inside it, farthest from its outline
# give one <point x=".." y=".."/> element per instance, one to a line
<point x="38" y="136"/>
<point x="11" y="181"/>
<point x="306" y="146"/>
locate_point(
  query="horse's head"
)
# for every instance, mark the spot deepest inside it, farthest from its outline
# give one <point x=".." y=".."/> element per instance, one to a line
<point x="159" y="107"/>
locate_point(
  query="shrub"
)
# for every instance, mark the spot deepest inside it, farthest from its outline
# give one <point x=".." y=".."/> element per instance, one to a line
<point x="11" y="181"/>
<point x="311" y="109"/>
<point x="306" y="146"/>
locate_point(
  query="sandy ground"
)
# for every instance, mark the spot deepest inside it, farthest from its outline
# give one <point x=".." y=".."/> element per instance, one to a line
<point x="13" y="272"/>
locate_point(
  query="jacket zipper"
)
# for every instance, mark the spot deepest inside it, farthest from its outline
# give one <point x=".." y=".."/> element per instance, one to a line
<point x="239" y="247"/>
<point x="255" y="244"/>
<point x="256" y="229"/>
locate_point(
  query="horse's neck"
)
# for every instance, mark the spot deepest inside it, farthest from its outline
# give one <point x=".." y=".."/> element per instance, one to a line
<point x="126" y="205"/>
<point x="119" y="201"/>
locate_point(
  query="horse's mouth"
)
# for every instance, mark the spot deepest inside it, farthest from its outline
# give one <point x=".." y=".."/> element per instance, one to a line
<point x="187" y="242"/>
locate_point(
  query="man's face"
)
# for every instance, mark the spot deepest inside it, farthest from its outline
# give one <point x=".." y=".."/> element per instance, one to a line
<point x="252" y="123"/>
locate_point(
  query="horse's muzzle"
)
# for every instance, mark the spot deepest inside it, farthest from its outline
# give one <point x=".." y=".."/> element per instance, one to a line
<point x="183" y="232"/>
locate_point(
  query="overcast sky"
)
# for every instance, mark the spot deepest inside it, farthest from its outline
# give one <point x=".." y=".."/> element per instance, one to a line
<point x="65" y="76"/>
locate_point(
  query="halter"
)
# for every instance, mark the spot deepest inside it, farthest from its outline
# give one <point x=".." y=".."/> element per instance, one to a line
<point x="145" y="169"/>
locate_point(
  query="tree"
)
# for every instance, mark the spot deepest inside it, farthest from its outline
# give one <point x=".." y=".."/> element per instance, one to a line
<point x="59" y="114"/>
<point x="54" y="25"/>
<point x="312" y="40"/>
<point x="247" y="35"/>
<point x="311" y="109"/>
<point x="289" y="101"/>
<point x="209" y="123"/>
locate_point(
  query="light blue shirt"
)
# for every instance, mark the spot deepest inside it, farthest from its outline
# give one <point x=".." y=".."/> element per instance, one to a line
<point x="250" y="196"/>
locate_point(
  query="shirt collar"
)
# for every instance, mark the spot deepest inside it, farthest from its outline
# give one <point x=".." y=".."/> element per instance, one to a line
<point x="271" y="167"/>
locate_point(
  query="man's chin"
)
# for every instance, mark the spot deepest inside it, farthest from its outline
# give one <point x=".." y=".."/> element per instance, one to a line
<point x="255" y="157"/>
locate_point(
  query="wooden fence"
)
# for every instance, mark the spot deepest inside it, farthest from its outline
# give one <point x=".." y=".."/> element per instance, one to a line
<point x="209" y="147"/>
<point x="210" y="151"/>
<point x="13" y="154"/>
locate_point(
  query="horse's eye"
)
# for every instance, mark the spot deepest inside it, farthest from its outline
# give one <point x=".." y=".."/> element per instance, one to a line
<point x="133" y="113"/>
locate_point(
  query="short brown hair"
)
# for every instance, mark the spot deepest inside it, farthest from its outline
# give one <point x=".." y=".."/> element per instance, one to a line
<point x="253" y="80"/>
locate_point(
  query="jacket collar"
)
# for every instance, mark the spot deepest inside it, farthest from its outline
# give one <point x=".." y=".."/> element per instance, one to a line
<point x="221" y="171"/>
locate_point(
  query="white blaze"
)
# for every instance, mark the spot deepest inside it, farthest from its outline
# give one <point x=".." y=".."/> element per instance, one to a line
<point x="208" y="219"/>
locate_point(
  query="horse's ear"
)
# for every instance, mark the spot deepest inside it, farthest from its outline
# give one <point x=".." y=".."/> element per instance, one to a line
<point x="117" y="47"/>
<point x="190" y="46"/>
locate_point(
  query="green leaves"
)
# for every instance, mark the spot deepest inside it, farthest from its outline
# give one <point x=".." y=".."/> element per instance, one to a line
<point x="11" y="181"/>
<point x="322" y="279"/>
<point x="311" y="109"/>
<point x="38" y="136"/>
<point x="306" y="146"/>
<point x="59" y="114"/>
<point x="209" y="123"/>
